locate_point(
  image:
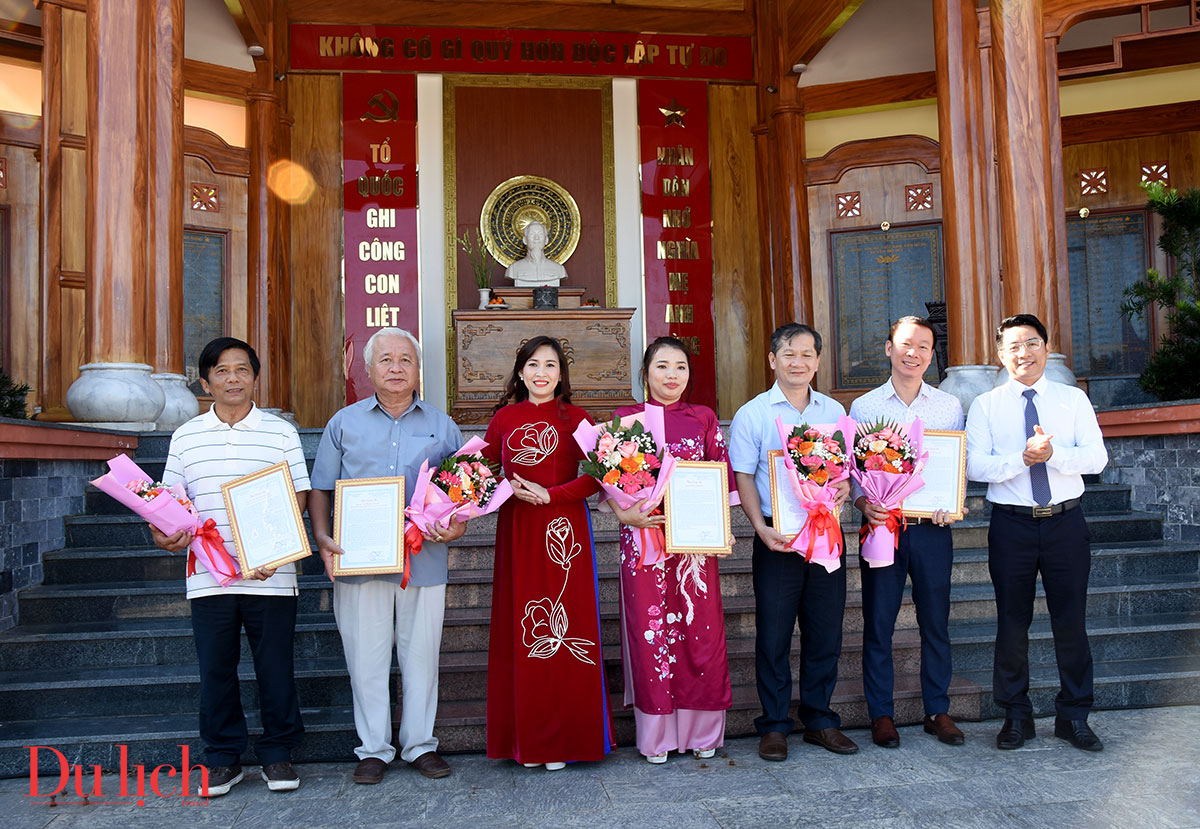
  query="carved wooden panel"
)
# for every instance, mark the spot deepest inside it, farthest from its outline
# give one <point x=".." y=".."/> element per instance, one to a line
<point x="918" y="197"/>
<point x="1093" y="182"/>
<point x="1155" y="172"/>
<point x="205" y="197"/>
<point x="3" y="173"/>
<point x="849" y="205"/>
<point x="596" y="342"/>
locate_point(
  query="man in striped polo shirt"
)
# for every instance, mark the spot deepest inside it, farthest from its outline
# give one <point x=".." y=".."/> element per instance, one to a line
<point x="232" y="439"/>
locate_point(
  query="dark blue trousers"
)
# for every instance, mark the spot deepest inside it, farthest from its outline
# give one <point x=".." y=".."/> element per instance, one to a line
<point x="1058" y="547"/>
<point x="786" y="589"/>
<point x="926" y="553"/>
<point x="270" y="623"/>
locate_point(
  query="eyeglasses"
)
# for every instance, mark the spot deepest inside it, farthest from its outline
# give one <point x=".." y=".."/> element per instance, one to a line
<point x="1032" y="346"/>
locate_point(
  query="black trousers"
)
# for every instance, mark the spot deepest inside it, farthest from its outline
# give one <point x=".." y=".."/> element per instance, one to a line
<point x="1058" y="547"/>
<point x="270" y="623"/>
<point x="786" y="589"/>
<point x="926" y="552"/>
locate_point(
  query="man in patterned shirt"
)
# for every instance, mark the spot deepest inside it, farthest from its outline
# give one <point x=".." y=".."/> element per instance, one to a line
<point x="232" y="439"/>
<point x="925" y="551"/>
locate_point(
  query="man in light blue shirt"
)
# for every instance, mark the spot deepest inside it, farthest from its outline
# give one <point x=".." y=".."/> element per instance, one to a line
<point x="925" y="549"/>
<point x="389" y="434"/>
<point x="785" y="587"/>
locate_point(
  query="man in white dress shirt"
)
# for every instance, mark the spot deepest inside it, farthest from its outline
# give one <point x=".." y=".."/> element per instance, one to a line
<point x="1032" y="441"/>
<point x="925" y="550"/>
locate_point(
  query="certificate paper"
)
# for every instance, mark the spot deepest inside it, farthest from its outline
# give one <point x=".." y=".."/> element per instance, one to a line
<point x="368" y="524"/>
<point x="945" y="476"/>
<point x="787" y="516"/>
<point x="697" y="509"/>
<point x="265" y="518"/>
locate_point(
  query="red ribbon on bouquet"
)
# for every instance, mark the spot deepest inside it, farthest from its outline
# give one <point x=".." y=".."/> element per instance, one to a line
<point x="652" y="539"/>
<point x="412" y="545"/>
<point x="210" y="539"/>
<point x="821" y="521"/>
<point x="895" y="520"/>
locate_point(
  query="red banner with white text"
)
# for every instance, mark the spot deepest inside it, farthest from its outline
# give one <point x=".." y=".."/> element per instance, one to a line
<point x="677" y="223"/>
<point x="331" y="47"/>
<point x="379" y="214"/>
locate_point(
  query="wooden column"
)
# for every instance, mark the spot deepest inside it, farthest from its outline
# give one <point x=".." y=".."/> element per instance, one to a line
<point x="269" y="311"/>
<point x="116" y="177"/>
<point x="780" y="152"/>
<point x="1029" y="159"/>
<point x="164" y="186"/>
<point x="63" y="185"/>
<point x="961" y="136"/>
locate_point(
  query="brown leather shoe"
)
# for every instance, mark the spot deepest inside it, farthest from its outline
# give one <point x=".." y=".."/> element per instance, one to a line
<point x="369" y="770"/>
<point x="831" y="739"/>
<point x="773" y="746"/>
<point x="884" y="733"/>
<point x="945" y="729"/>
<point x="431" y="765"/>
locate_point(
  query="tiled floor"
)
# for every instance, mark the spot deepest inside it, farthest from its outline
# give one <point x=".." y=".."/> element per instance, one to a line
<point x="1147" y="776"/>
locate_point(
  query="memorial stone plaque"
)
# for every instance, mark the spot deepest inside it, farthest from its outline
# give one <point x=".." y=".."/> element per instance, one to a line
<point x="878" y="277"/>
<point x="1106" y="253"/>
<point x="204" y="261"/>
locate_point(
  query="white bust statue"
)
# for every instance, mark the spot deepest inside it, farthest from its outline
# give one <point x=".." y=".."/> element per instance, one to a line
<point x="536" y="269"/>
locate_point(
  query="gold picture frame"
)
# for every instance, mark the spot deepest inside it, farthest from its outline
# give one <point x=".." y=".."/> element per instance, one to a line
<point x="264" y="518"/>
<point x="707" y="523"/>
<point x="395" y="502"/>
<point x="784" y="509"/>
<point x="947" y="464"/>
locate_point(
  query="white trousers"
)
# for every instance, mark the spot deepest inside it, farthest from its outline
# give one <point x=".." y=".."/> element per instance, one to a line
<point x="371" y="617"/>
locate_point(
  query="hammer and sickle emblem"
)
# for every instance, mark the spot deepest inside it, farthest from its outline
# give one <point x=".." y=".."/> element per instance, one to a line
<point x="384" y="106"/>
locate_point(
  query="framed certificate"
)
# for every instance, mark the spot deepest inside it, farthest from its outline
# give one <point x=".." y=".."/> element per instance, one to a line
<point x="368" y="524"/>
<point x="787" y="516"/>
<point x="945" y="476"/>
<point x="697" y="509"/>
<point x="265" y="518"/>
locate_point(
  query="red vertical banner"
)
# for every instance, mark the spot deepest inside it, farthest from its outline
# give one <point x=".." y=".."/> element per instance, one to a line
<point x="379" y="214"/>
<point x="677" y="223"/>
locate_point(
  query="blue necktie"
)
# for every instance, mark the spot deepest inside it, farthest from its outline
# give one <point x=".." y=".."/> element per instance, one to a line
<point x="1037" y="473"/>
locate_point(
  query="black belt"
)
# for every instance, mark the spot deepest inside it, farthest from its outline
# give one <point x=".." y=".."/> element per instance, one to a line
<point x="1038" y="512"/>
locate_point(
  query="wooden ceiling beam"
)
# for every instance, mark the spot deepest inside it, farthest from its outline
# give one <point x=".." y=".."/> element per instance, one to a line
<point x="501" y="14"/>
<point x="811" y="23"/>
<point x="252" y="18"/>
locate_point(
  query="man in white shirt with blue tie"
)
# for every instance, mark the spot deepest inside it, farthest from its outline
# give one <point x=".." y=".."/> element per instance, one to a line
<point x="1032" y="441"/>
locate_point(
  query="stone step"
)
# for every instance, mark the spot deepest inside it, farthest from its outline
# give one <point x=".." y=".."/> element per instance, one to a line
<point x="156" y="688"/>
<point x="330" y="734"/>
<point x="128" y="531"/>
<point x="1112" y="639"/>
<point x="89" y="566"/>
<point x="330" y="737"/>
<point x="1131" y="683"/>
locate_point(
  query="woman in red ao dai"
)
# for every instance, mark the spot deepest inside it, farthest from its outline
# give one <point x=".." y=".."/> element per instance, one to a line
<point x="546" y="700"/>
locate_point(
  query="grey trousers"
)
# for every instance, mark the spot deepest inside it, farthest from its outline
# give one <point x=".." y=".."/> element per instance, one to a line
<point x="371" y="617"/>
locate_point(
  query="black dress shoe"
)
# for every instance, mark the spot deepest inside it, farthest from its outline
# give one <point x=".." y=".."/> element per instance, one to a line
<point x="1015" y="733"/>
<point x="1078" y="733"/>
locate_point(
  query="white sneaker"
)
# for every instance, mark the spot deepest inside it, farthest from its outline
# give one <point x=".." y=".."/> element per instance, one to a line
<point x="555" y="766"/>
<point x="656" y="759"/>
<point x="531" y="765"/>
<point x="704" y="753"/>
